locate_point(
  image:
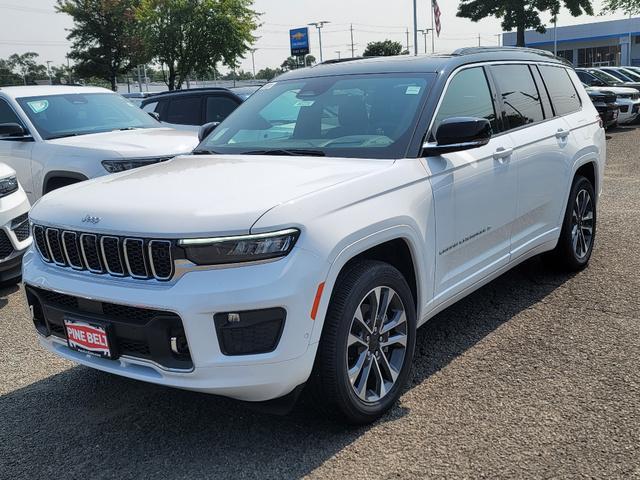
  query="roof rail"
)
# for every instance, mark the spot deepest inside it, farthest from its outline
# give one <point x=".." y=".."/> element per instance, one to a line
<point x="341" y="60"/>
<point x="199" y="89"/>
<point x="472" y="50"/>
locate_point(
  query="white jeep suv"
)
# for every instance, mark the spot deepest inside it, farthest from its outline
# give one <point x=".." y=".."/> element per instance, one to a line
<point x="15" y="235"/>
<point x="54" y="136"/>
<point x="324" y="221"/>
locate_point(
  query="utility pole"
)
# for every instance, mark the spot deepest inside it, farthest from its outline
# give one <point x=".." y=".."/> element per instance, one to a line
<point x="353" y="45"/>
<point x="479" y="42"/>
<point x="408" y="46"/>
<point x="415" y="26"/>
<point x="555" y="34"/>
<point x="49" y="62"/>
<point x="319" y="26"/>
<point x="433" y="30"/>
<point x="253" y="61"/>
<point x="339" y="54"/>
<point x="140" y="79"/>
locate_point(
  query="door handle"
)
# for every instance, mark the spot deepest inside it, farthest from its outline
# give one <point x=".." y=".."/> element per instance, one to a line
<point x="562" y="134"/>
<point x="502" y="153"/>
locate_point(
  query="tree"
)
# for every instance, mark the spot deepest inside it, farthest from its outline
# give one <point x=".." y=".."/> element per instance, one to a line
<point x="269" y="73"/>
<point x="7" y="75"/>
<point x="105" y="37"/>
<point x="26" y="66"/>
<point x="520" y="14"/>
<point x="195" y="35"/>
<point x="386" y="48"/>
<point x="630" y="7"/>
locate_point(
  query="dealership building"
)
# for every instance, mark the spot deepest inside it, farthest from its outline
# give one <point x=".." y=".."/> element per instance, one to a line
<point x="614" y="42"/>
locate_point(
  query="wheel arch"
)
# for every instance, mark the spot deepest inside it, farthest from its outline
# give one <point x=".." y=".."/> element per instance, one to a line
<point x="398" y="246"/>
<point x="61" y="175"/>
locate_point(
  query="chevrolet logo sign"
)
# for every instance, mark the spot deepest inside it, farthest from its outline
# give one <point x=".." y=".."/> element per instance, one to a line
<point x="298" y="36"/>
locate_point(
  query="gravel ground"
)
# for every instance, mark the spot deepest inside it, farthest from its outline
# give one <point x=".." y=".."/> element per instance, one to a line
<point x="535" y="375"/>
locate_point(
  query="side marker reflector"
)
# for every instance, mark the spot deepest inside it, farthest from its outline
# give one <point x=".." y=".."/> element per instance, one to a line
<point x="316" y="301"/>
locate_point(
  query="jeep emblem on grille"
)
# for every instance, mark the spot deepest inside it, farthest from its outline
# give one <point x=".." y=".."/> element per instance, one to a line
<point x="90" y="219"/>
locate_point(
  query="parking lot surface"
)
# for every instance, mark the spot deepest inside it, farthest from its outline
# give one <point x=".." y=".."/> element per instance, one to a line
<point x="535" y="375"/>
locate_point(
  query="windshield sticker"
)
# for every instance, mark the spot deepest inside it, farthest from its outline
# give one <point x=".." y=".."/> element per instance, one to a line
<point x="38" y="106"/>
<point x="269" y="85"/>
<point x="304" y="103"/>
<point x="412" y="90"/>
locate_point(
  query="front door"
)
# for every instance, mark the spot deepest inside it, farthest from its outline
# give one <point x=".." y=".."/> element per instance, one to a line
<point x="474" y="192"/>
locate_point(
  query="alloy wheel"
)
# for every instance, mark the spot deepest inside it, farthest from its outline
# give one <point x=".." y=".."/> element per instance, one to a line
<point x="377" y="344"/>
<point x="582" y="224"/>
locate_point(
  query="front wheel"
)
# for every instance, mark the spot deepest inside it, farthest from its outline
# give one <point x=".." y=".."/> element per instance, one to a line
<point x="579" y="227"/>
<point x="365" y="354"/>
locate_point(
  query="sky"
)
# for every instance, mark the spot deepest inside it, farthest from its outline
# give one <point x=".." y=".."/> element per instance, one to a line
<point x="33" y="25"/>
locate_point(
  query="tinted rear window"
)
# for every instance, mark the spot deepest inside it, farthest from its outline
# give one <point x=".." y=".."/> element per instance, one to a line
<point x="564" y="96"/>
<point x="184" y="111"/>
<point x="520" y="97"/>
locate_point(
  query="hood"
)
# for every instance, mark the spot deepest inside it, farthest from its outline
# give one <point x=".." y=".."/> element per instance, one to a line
<point x="195" y="195"/>
<point x="616" y="90"/>
<point x="145" y="142"/>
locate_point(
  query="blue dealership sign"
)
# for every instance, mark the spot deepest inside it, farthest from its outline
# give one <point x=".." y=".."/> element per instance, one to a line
<point x="299" y="41"/>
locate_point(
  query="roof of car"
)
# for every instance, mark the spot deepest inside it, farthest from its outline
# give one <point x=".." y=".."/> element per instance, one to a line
<point x="41" y="90"/>
<point x="422" y="63"/>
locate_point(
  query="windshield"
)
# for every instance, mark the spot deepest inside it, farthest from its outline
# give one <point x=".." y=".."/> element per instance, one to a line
<point x="358" y="116"/>
<point x="631" y="74"/>
<point x="605" y="77"/>
<point x="58" y="116"/>
<point x="619" y="75"/>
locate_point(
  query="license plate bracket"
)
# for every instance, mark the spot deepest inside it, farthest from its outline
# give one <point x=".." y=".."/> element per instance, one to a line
<point x="88" y="336"/>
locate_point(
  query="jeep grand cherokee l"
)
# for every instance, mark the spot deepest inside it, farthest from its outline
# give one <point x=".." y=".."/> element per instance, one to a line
<point x="334" y="212"/>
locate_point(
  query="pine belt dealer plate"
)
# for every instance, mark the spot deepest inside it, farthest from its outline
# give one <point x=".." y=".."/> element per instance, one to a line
<point x="88" y="338"/>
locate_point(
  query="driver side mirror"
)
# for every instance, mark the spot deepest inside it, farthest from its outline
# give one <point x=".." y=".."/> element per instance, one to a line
<point x="457" y="134"/>
<point x="206" y="129"/>
<point x="12" y="130"/>
<point x="154" y="115"/>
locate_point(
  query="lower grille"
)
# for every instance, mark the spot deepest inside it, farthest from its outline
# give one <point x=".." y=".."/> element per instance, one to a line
<point x="20" y="227"/>
<point x="137" y="332"/>
<point x="6" y="247"/>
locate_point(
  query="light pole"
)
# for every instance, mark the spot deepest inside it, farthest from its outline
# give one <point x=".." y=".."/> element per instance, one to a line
<point x="319" y="26"/>
<point x="415" y="27"/>
<point x="253" y="61"/>
<point x="425" y="32"/>
<point x="338" y="52"/>
<point x="49" y="62"/>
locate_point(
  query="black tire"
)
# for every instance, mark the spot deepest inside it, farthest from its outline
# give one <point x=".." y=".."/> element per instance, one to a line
<point x="565" y="255"/>
<point x="329" y="385"/>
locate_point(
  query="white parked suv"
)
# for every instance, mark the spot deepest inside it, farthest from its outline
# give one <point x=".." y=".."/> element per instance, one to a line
<point x="627" y="98"/>
<point x="54" y="136"/>
<point x="15" y="235"/>
<point x="309" y="236"/>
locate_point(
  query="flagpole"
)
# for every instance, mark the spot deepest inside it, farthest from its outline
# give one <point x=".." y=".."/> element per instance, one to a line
<point x="433" y="40"/>
<point x="415" y="26"/>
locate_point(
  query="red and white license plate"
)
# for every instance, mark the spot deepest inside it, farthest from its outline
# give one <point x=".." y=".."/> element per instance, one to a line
<point x="87" y="338"/>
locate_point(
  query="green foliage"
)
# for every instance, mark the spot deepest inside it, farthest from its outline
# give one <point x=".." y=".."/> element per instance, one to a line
<point x="630" y="7"/>
<point x="105" y="37"/>
<point x="24" y="69"/>
<point x="386" y="48"/>
<point x="520" y="14"/>
<point x="269" y="73"/>
<point x="194" y="35"/>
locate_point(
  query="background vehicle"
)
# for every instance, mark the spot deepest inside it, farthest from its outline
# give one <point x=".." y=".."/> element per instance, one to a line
<point x="190" y="109"/>
<point x="54" y="136"/>
<point x="622" y="73"/>
<point x="605" y="103"/>
<point x="334" y="212"/>
<point x="627" y="99"/>
<point x="137" y="97"/>
<point x="607" y="78"/>
<point x="15" y="233"/>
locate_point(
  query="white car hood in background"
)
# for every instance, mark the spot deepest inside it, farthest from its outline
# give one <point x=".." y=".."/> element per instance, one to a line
<point x="141" y="143"/>
<point x="195" y="195"/>
<point x="616" y="90"/>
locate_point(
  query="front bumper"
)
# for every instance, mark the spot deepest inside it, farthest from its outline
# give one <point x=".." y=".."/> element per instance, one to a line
<point x="629" y="110"/>
<point x="289" y="283"/>
<point x="14" y="240"/>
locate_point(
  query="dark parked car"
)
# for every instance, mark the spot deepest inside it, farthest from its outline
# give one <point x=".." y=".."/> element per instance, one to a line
<point x="599" y="78"/>
<point x="189" y="109"/>
<point x="605" y="103"/>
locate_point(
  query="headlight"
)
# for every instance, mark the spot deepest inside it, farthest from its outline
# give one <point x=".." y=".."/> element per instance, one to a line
<point x="243" y="248"/>
<point x="115" y="166"/>
<point x="8" y="186"/>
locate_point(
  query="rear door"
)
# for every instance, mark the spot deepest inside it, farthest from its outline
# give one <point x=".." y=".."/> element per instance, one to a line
<point x="474" y="191"/>
<point x="183" y="112"/>
<point x="219" y="106"/>
<point x="541" y="141"/>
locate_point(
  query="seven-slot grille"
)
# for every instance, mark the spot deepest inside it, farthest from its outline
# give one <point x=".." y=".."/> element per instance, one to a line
<point x="121" y="257"/>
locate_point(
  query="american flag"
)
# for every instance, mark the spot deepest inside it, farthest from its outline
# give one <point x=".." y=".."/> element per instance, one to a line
<point x="436" y="16"/>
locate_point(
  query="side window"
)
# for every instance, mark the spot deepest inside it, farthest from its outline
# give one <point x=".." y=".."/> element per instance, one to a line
<point x="7" y="115"/>
<point x="219" y="107"/>
<point x="184" y="111"/>
<point x="150" y="107"/>
<point x="467" y="95"/>
<point x="564" y="96"/>
<point x="520" y="97"/>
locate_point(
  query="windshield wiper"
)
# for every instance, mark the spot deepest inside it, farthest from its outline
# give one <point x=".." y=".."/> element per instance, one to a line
<point x="204" y="152"/>
<point x="66" y="135"/>
<point x="291" y="152"/>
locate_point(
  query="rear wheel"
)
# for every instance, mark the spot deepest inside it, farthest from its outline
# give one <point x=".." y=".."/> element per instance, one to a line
<point x="365" y="354"/>
<point x="579" y="227"/>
